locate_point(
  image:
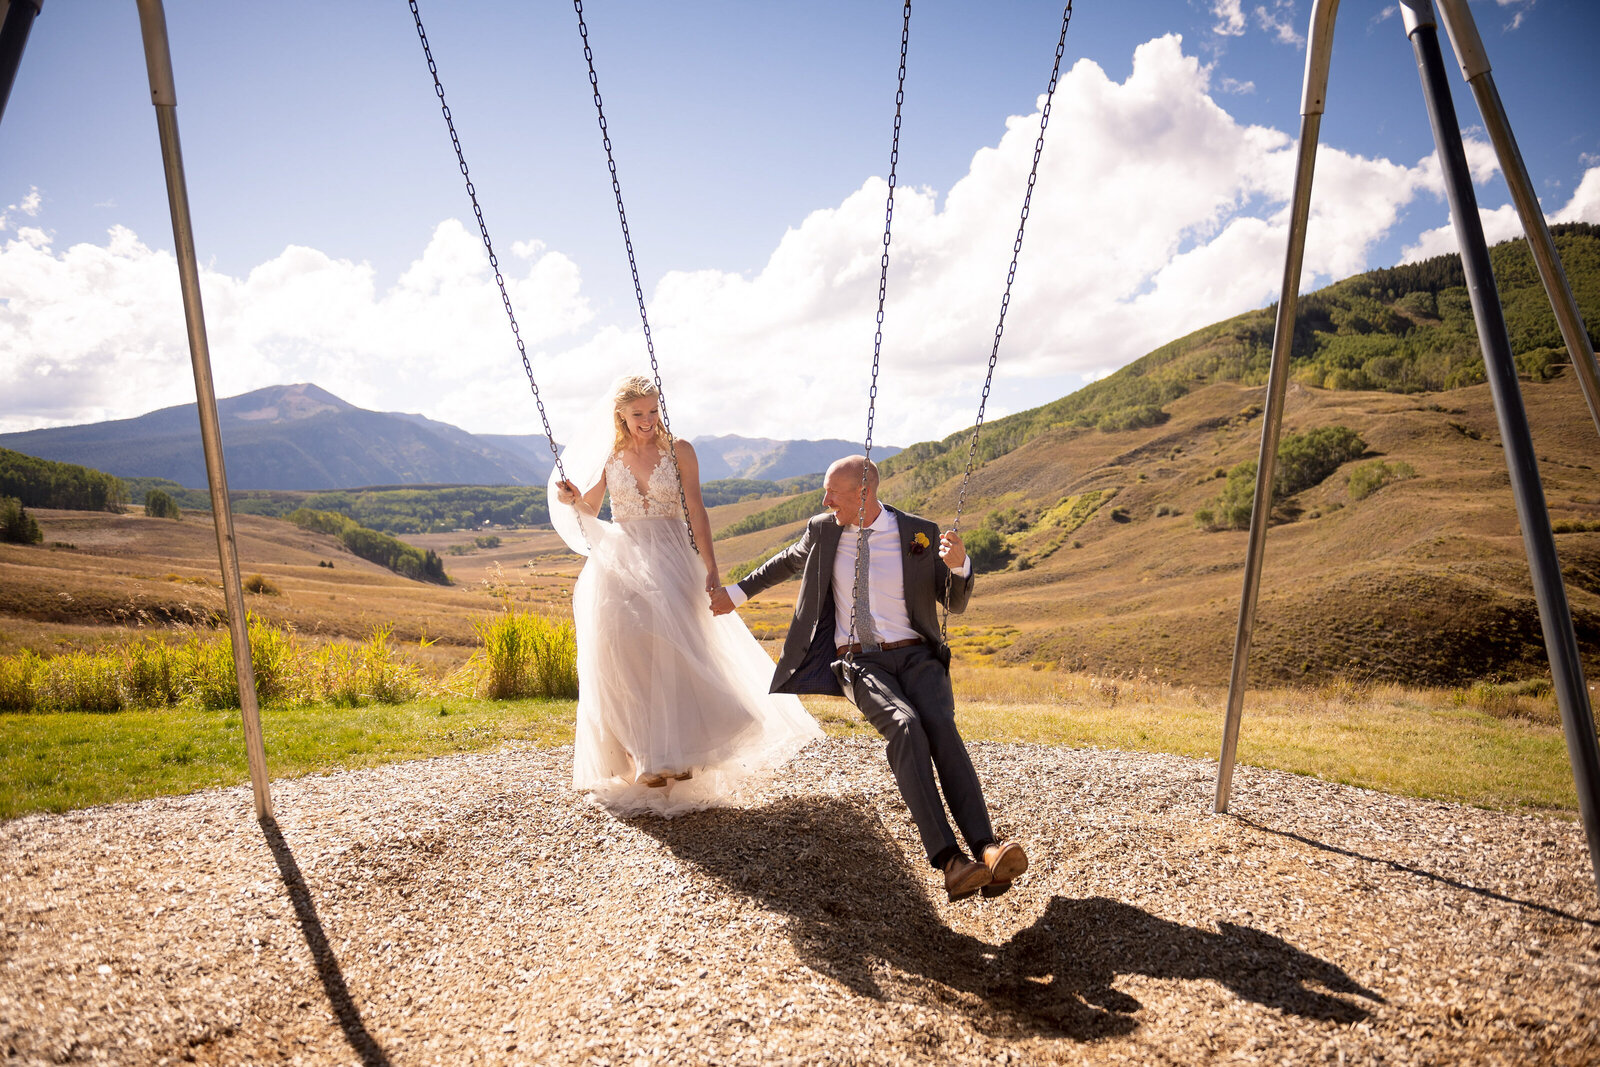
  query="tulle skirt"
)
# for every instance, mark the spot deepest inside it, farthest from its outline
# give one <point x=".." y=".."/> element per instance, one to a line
<point x="665" y="687"/>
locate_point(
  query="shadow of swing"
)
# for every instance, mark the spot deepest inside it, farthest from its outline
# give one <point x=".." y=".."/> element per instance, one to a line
<point x="1395" y="865"/>
<point x="361" y="1042"/>
<point x="856" y="907"/>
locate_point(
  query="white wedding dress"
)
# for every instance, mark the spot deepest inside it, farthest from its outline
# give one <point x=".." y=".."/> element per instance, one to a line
<point x="665" y="687"/>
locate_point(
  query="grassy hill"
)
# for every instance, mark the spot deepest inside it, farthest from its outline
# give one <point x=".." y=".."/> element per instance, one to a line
<point x="1405" y="329"/>
<point x="1089" y="507"/>
<point x="1090" y="501"/>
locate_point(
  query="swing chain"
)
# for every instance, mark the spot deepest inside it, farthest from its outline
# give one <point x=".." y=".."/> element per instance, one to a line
<point x="483" y="230"/>
<point x="1011" y="277"/>
<point x="877" y="337"/>
<point x="633" y="267"/>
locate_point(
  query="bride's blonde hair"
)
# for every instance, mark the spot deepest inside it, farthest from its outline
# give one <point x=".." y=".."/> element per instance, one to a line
<point x="625" y="391"/>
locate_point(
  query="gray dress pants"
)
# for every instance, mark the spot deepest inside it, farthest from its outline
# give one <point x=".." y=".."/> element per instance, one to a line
<point x="905" y="694"/>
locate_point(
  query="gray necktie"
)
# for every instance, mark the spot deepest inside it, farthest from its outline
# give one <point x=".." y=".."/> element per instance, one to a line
<point x="864" y="631"/>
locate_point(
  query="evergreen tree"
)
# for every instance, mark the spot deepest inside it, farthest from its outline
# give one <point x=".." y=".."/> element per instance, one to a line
<point x="16" y="525"/>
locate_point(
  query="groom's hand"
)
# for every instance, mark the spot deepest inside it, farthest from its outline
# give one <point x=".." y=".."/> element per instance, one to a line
<point x="721" y="602"/>
<point x="951" y="550"/>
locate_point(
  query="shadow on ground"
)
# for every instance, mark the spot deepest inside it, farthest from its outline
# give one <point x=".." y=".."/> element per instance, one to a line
<point x="361" y="1041"/>
<point x="1394" y="865"/>
<point x="859" y="912"/>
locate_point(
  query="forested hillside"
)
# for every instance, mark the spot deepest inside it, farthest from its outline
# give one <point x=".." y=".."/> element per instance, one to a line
<point x="414" y="509"/>
<point x="43" y="483"/>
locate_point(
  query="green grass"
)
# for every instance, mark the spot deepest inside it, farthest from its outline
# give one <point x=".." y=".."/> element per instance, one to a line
<point x="1452" y="745"/>
<point x="1459" y="755"/>
<point x="57" y="762"/>
<point x="1435" y="744"/>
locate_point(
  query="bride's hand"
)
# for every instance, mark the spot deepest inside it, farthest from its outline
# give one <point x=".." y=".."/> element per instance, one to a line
<point x="713" y="583"/>
<point x="568" y="493"/>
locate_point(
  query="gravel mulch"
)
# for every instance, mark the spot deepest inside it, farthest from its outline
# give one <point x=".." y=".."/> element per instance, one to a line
<point x="473" y="909"/>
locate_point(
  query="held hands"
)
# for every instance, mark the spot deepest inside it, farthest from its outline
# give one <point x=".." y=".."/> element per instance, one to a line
<point x="951" y="550"/>
<point x="721" y="602"/>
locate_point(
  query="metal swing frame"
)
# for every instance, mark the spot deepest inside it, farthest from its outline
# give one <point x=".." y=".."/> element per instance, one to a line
<point x="16" y="20"/>
<point x="1555" y="616"/>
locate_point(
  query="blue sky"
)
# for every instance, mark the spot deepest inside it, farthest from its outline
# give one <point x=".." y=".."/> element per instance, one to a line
<point x="752" y="139"/>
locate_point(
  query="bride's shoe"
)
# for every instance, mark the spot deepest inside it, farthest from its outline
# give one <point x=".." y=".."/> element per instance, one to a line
<point x="653" y="781"/>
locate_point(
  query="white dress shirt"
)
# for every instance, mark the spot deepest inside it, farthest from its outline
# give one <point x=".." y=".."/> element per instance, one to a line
<point x="886" y="589"/>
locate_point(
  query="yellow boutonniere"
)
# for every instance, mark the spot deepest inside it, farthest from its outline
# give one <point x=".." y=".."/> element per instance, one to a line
<point x="919" y="543"/>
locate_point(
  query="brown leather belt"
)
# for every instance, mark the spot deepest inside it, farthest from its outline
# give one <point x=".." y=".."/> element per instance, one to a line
<point x="888" y="646"/>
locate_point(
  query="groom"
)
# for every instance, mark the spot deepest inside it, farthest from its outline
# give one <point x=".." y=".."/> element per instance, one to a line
<point x="894" y="667"/>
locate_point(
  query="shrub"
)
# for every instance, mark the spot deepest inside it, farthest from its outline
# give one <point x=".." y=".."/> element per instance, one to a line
<point x="78" y="681"/>
<point x="273" y="653"/>
<point x="257" y="583"/>
<point x="988" y="550"/>
<point x="209" y="679"/>
<point x="389" y="680"/>
<point x="489" y="541"/>
<point x="151" y="676"/>
<point x="335" y="673"/>
<point x="1306" y="459"/>
<point x="1368" y="478"/>
<point x="16" y="525"/>
<point x="1237" y="501"/>
<point x="1541" y="364"/>
<point x="17" y="677"/>
<point x="1009" y="521"/>
<point x="158" y="505"/>
<point x="528" y="655"/>
<point x="200" y="673"/>
<point x="1131" y="418"/>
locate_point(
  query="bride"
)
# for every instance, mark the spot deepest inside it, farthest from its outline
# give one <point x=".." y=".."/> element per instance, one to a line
<point x="673" y="709"/>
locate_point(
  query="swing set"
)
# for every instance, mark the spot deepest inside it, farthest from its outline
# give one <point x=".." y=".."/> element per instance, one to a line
<point x="16" y="18"/>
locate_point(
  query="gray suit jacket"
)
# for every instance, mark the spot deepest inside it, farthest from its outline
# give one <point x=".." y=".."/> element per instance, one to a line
<point x="809" y="650"/>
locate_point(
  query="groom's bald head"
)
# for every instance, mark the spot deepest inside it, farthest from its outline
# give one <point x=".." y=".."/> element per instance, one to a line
<point x="850" y="467"/>
<point x="842" y="490"/>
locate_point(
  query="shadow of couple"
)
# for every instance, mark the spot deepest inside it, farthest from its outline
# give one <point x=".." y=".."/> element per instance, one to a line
<point x="858" y="912"/>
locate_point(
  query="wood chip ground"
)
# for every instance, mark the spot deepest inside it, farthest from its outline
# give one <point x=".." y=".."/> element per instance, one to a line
<point x="473" y="909"/>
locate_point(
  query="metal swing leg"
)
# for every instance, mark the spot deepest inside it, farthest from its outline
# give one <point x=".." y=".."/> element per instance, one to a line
<point x="1555" y="616"/>
<point x="16" y="19"/>
<point x="1554" y="613"/>
<point x="1463" y="31"/>
<point x="158" y="59"/>
<point x="1319" y="50"/>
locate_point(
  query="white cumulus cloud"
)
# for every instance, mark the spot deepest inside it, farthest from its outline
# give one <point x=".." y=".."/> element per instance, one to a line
<point x="1155" y="213"/>
<point x="92" y="332"/>
<point x="1502" y="223"/>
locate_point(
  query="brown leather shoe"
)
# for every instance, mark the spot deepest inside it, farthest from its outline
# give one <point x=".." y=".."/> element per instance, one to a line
<point x="1005" y="861"/>
<point x="964" y="877"/>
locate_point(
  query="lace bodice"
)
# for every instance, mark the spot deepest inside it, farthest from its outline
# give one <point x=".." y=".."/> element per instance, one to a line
<point x="659" y="500"/>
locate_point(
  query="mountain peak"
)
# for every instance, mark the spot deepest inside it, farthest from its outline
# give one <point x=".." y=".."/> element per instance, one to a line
<point x="282" y="403"/>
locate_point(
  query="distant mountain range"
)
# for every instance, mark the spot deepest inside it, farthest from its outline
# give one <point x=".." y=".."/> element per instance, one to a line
<point x="303" y="437"/>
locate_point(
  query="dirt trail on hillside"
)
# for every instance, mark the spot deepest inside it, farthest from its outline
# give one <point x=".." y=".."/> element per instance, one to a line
<point x="472" y="909"/>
